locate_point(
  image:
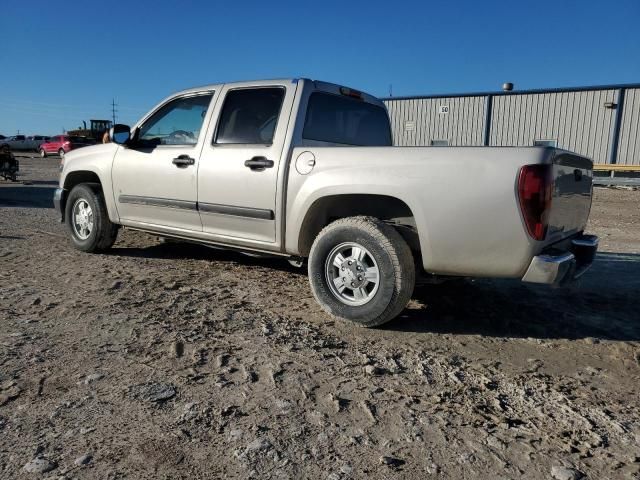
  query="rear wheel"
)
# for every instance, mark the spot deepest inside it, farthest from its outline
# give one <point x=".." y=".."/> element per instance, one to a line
<point x="88" y="221"/>
<point x="43" y="154"/>
<point x="61" y="152"/>
<point x="361" y="270"/>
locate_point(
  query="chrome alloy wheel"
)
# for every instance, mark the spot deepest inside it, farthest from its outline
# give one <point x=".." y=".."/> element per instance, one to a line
<point x="352" y="274"/>
<point x="82" y="219"/>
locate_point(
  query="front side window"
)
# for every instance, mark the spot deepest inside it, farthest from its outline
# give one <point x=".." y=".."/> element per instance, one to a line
<point x="344" y="120"/>
<point x="177" y="123"/>
<point x="249" y="116"/>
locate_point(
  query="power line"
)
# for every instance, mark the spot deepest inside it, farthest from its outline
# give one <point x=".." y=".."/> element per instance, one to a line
<point x="57" y="106"/>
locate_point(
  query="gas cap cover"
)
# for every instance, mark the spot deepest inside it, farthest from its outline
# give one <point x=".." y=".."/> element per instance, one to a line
<point x="305" y="163"/>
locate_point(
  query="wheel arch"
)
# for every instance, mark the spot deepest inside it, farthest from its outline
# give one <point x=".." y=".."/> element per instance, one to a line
<point x="78" y="177"/>
<point x="329" y="208"/>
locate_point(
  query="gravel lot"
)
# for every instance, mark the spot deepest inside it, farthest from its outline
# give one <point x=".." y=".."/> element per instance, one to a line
<point x="178" y="361"/>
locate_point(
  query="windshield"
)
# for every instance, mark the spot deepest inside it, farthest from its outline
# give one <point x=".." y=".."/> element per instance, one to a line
<point x="344" y="120"/>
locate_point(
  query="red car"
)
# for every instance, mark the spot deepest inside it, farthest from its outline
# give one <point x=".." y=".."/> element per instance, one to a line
<point x="62" y="144"/>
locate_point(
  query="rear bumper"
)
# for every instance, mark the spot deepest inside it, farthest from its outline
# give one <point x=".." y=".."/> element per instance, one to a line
<point x="557" y="267"/>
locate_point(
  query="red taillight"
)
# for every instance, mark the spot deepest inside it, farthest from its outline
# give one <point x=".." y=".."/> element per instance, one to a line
<point x="67" y="142"/>
<point x="535" y="190"/>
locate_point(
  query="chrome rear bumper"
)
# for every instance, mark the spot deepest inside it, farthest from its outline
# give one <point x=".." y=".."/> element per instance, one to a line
<point x="557" y="267"/>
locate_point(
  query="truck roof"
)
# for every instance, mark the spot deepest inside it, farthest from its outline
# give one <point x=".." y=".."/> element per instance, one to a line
<point x="318" y="84"/>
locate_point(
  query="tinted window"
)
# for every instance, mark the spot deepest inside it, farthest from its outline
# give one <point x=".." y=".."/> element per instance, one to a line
<point x="249" y="116"/>
<point x="177" y="123"/>
<point x="78" y="139"/>
<point x="345" y="120"/>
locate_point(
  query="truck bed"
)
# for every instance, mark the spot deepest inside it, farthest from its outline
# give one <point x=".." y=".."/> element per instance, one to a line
<point x="464" y="199"/>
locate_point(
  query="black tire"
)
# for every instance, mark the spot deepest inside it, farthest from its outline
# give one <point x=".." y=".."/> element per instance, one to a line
<point x="394" y="261"/>
<point x="61" y="153"/>
<point x="103" y="233"/>
<point x="43" y="154"/>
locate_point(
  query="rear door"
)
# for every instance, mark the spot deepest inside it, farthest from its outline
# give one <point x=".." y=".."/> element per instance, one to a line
<point x="155" y="178"/>
<point x="238" y="170"/>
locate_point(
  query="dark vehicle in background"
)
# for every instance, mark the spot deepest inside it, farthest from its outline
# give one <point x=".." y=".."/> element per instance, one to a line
<point x="24" y="143"/>
<point x="9" y="166"/>
<point x="61" y="144"/>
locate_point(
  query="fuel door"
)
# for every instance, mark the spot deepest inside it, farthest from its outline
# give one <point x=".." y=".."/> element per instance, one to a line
<point x="305" y="163"/>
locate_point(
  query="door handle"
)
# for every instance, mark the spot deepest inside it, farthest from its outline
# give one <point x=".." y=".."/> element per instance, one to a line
<point x="259" y="163"/>
<point x="183" y="161"/>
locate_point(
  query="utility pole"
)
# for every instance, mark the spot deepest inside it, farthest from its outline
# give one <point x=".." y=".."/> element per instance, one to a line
<point x="113" y="110"/>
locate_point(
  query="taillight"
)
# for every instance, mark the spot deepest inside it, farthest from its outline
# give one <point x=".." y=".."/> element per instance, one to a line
<point x="535" y="190"/>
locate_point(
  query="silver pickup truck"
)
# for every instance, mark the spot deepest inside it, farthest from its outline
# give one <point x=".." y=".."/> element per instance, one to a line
<point x="306" y="170"/>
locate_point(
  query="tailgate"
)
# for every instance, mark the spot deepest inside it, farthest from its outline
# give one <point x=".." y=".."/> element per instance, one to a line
<point x="571" y="201"/>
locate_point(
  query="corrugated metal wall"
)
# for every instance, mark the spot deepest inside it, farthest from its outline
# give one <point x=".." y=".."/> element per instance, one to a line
<point x="629" y="144"/>
<point x="417" y="122"/>
<point x="576" y="120"/>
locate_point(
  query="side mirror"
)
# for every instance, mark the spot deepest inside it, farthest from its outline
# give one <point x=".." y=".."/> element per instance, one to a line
<point x="120" y="133"/>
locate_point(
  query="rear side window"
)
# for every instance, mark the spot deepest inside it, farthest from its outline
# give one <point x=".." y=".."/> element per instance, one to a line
<point x="249" y="116"/>
<point x="344" y="120"/>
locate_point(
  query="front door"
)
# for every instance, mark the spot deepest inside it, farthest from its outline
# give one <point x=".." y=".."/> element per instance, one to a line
<point x="238" y="170"/>
<point x="155" y="177"/>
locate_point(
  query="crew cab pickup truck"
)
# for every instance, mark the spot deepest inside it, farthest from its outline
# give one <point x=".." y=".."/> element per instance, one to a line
<point x="306" y="170"/>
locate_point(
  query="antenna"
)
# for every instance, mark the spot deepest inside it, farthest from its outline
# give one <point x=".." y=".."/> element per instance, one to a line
<point x="113" y="110"/>
<point x="390" y="90"/>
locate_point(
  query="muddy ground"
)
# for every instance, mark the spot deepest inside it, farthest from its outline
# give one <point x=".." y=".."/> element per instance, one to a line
<point x="178" y="361"/>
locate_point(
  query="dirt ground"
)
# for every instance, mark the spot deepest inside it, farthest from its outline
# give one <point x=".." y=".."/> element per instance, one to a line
<point x="178" y="361"/>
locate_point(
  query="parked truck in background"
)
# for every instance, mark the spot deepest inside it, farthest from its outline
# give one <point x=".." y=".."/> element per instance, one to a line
<point x="306" y="170"/>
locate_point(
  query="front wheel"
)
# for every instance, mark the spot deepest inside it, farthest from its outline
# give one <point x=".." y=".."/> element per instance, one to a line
<point x="361" y="270"/>
<point x="88" y="221"/>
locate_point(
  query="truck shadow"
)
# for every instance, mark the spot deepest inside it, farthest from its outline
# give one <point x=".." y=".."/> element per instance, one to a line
<point x="604" y="304"/>
<point x="24" y="196"/>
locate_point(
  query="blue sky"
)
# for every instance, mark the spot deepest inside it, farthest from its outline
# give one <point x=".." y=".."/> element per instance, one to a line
<point x="63" y="62"/>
